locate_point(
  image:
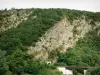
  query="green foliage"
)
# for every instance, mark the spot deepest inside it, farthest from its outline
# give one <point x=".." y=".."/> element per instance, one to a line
<point x="60" y="63"/>
<point x="15" y="61"/>
<point x="49" y="72"/>
<point x="16" y="40"/>
<point x="29" y="31"/>
<point x="10" y="17"/>
<point x="3" y="63"/>
<point x="93" y="16"/>
<point x="73" y="14"/>
<point x="86" y="52"/>
<point x="21" y="63"/>
<point x="34" y="67"/>
<point x="93" y="71"/>
<point x="25" y="74"/>
<point x="72" y="57"/>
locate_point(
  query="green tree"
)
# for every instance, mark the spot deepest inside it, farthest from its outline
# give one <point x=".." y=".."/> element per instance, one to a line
<point x="3" y="63"/>
<point x="33" y="67"/>
<point x="93" y="71"/>
<point x="17" y="61"/>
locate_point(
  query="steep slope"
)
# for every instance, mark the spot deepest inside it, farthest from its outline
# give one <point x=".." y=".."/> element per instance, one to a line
<point x="14" y="43"/>
<point x="60" y="37"/>
<point x="12" y="18"/>
<point x="64" y="36"/>
<point x="85" y="53"/>
<point x="28" y="32"/>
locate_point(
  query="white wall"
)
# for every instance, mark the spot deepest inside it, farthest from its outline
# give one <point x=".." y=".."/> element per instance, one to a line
<point x="65" y="71"/>
<point x="85" y="72"/>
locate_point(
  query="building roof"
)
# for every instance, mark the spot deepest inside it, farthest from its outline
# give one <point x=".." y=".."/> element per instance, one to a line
<point x="76" y="67"/>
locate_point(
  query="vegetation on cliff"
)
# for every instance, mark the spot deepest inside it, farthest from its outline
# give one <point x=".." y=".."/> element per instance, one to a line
<point x="14" y="43"/>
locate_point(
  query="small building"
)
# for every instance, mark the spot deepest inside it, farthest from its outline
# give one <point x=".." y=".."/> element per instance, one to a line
<point x="65" y="71"/>
<point x="68" y="70"/>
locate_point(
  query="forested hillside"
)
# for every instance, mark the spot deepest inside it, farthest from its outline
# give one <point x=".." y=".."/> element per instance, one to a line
<point x="12" y="18"/>
<point x="15" y="41"/>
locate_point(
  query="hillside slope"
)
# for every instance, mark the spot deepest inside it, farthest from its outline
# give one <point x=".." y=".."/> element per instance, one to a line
<point x="61" y="36"/>
<point x="12" y="18"/>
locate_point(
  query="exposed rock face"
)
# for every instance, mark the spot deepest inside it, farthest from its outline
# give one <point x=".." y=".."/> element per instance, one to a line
<point x="60" y="37"/>
<point x="13" y="18"/>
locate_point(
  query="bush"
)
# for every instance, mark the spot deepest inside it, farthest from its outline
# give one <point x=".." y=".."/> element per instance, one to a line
<point x="49" y="72"/>
<point x="3" y="63"/>
<point x="93" y="71"/>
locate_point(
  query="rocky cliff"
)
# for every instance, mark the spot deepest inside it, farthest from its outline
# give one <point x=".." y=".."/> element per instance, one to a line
<point x="60" y="37"/>
<point x="12" y="18"/>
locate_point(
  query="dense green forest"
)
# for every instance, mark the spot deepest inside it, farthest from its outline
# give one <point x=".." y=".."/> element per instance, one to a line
<point x="14" y="43"/>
